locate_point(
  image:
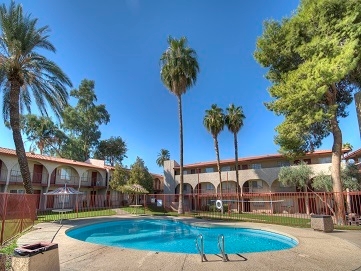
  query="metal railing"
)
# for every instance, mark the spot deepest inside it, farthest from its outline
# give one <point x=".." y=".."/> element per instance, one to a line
<point x="200" y="247"/>
<point x="17" y="211"/>
<point x="221" y="248"/>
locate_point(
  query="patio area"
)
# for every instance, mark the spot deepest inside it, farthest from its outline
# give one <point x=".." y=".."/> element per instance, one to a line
<point x="339" y="250"/>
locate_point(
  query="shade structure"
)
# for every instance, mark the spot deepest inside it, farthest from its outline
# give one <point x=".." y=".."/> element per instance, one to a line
<point x="63" y="191"/>
<point x="135" y="189"/>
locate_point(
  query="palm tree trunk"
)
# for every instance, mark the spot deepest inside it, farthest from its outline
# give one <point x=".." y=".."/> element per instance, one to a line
<point x="336" y="172"/>
<point x="219" y="168"/>
<point x="236" y="164"/>
<point x="181" y="196"/>
<point x="18" y="140"/>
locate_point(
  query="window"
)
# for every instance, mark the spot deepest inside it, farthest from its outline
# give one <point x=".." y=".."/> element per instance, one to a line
<point x="306" y="161"/>
<point x="259" y="202"/>
<point x="226" y="186"/>
<point x="176" y="172"/>
<point x="244" y="167"/>
<point x="209" y="186"/>
<point x="65" y="174"/>
<point x="283" y="163"/>
<point x="287" y="203"/>
<point x="257" y="184"/>
<point x="209" y="170"/>
<point x="193" y="171"/>
<point x="17" y="191"/>
<point x="185" y="172"/>
<point x="324" y="160"/>
<point x="256" y="166"/>
<point x="226" y="168"/>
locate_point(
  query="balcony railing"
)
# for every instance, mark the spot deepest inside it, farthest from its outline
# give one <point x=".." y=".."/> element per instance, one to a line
<point x="36" y="178"/>
<point x="69" y="180"/>
<point x="91" y="181"/>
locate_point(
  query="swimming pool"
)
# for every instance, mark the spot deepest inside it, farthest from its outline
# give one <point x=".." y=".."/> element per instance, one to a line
<point x="175" y="236"/>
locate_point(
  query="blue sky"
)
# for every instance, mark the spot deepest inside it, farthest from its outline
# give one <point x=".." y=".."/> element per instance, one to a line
<point x="118" y="43"/>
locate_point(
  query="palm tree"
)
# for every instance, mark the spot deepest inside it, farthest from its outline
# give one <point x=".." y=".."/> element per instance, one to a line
<point x="234" y="121"/>
<point x="163" y="155"/>
<point x="214" y="123"/>
<point x="179" y="69"/>
<point x="44" y="134"/>
<point x="22" y="69"/>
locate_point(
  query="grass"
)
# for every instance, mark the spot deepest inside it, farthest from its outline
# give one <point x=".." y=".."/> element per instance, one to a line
<point x="8" y="250"/>
<point x="49" y="216"/>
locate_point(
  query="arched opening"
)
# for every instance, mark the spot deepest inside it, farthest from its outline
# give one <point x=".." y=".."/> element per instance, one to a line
<point x="64" y="175"/>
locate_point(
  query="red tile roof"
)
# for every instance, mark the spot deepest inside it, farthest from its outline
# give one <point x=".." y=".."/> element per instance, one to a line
<point x="353" y="154"/>
<point x="34" y="156"/>
<point x="252" y="159"/>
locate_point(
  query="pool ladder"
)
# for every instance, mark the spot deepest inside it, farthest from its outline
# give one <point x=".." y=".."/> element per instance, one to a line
<point x="200" y="247"/>
<point x="221" y="248"/>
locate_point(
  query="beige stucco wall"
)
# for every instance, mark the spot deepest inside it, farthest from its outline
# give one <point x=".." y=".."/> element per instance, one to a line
<point x="268" y="175"/>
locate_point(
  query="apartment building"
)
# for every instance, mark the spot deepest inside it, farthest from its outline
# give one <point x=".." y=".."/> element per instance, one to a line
<point x="256" y="174"/>
<point x="49" y="173"/>
<point x="258" y="178"/>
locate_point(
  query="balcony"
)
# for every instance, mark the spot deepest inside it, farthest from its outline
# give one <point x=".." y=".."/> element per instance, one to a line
<point x="97" y="182"/>
<point x="37" y="179"/>
<point x="69" y="180"/>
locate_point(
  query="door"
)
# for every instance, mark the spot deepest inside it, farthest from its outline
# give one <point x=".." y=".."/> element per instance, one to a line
<point x="92" y="198"/>
<point x="109" y="203"/>
<point x="53" y="177"/>
<point x="50" y="201"/>
<point x="247" y="205"/>
<point x="94" y="178"/>
<point x="37" y="173"/>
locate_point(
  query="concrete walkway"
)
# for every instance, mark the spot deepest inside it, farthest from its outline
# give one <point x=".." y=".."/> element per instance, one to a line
<point x="339" y="250"/>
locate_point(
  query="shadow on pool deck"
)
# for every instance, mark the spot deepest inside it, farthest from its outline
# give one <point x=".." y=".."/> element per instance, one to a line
<point x="339" y="250"/>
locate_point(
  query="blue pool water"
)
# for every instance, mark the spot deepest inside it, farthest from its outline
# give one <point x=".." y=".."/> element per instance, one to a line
<point x="175" y="236"/>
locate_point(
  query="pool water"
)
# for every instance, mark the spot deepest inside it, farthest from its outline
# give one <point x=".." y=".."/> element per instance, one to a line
<point x="176" y="236"/>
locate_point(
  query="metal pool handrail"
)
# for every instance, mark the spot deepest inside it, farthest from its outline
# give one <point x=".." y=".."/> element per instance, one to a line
<point x="200" y="247"/>
<point x="221" y="247"/>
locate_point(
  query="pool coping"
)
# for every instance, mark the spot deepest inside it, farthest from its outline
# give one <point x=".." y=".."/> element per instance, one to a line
<point x="315" y="250"/>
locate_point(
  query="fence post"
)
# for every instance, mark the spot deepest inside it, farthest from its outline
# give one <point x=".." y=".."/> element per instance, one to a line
<point x="164" y="203"/>
<point x="144" y="202"/>
<point x="3" y="219"/>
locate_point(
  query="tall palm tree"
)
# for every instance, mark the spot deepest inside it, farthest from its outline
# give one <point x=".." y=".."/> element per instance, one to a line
<point x="234" y="121"/>
<point x="23" y="70"/>
<point x="179" y="69"/>
<point x="214" y="123"/>
<point x="163" y="155"/>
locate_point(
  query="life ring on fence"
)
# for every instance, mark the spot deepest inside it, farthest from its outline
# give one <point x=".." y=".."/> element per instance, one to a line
<point x="219" y="204"/>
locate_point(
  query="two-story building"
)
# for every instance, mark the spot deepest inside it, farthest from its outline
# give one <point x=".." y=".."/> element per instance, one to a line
<point x="257" y="175"/>
<point x="49" y="173"/>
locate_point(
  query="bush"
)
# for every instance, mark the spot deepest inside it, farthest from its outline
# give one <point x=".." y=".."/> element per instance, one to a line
<point x="213" y="208"/>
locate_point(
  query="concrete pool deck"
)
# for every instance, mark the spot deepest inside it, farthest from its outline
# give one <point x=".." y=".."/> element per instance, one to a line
<point x="339" y="250"/>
